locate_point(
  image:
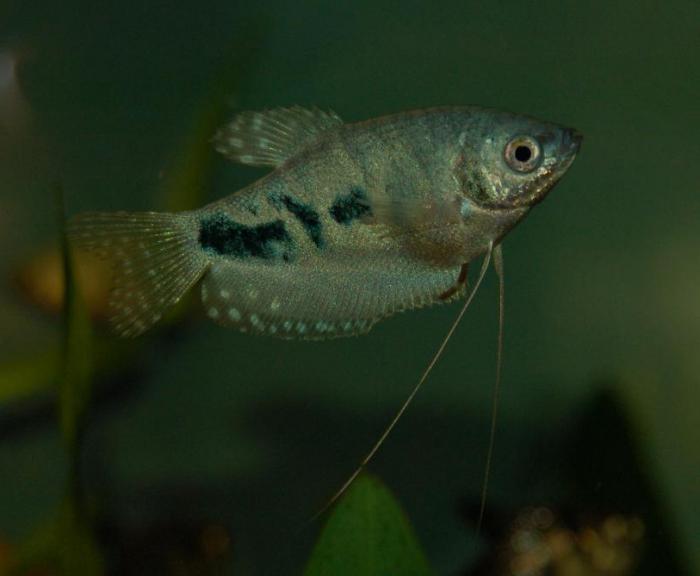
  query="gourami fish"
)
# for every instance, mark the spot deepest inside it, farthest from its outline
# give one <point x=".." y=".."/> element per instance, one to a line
<point x="355" y="223"/>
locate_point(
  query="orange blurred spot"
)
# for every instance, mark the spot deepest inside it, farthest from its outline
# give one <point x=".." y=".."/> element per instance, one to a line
<point x="42" y="284"/>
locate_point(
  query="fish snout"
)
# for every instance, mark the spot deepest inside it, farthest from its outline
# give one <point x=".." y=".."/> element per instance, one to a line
<point x="571" y="141"/>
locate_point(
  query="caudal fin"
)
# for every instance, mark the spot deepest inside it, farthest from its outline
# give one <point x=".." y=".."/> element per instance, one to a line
<point x="155" y="260"/>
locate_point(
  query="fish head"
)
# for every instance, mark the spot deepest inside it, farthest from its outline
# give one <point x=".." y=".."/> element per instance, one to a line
<point x="510" y="161"/>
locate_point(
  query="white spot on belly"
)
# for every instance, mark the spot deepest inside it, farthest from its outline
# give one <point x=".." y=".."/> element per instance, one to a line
<point x="234" y="314"/>
<point x="225" y="294"/>
<point x="213" y="313"/>
<point x="275" y="305"/>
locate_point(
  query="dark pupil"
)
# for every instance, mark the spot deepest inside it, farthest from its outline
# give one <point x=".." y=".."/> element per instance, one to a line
<point x="523" y="153"/>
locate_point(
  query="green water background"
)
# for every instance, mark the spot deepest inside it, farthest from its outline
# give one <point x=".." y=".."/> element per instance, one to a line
<point x="602" y="279"/>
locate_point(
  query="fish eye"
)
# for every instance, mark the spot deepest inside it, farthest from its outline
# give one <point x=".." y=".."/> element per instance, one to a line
<point x="523" y="154"/>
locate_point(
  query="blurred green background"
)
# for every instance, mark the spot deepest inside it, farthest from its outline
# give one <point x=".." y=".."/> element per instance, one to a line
<point x="197" y="426"/>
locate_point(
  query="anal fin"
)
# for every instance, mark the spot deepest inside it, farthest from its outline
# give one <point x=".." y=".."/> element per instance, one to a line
<point x="319" y="302"/>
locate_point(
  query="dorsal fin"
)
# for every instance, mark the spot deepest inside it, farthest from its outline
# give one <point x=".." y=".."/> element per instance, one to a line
<point x="271" y="137"/>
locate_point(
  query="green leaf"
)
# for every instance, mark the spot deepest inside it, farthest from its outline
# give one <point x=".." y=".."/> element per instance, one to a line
<point x="367" y="534"/>
<point x="30" y="376"/>
<point x="75" y="381"/>
<point x="191" y="173"/>
<point x="63" y="544"/>
<point x="34" y="375"/>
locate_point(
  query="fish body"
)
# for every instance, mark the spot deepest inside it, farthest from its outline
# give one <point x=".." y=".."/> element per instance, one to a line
<point x="355" y="222"/>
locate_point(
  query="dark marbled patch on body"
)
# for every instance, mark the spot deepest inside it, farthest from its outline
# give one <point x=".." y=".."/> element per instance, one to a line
<point x="221" y="235"/>
<point x="308" y="217"/>
<point x="350" y="206"/>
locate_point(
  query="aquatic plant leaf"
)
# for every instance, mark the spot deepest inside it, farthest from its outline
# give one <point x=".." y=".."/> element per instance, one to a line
<point x="367" y="534"/>
<point x="30" y="376"/>
<point x="185" y="184"/>
<point x="190" y="176"/>
<point x="75" y="381"/>
<point x="33" y="376"/>
<point x="62" y="544"/>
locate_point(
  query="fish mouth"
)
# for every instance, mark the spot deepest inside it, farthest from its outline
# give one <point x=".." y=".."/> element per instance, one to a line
<point x="570" y="142"/>
<point x="568" y="149"/>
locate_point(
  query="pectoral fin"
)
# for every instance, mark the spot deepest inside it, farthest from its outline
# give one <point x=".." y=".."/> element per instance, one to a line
<point x="431" y="230"/>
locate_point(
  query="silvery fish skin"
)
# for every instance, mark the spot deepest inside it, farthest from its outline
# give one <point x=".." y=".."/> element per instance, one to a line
<point x="356" y="221"/>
